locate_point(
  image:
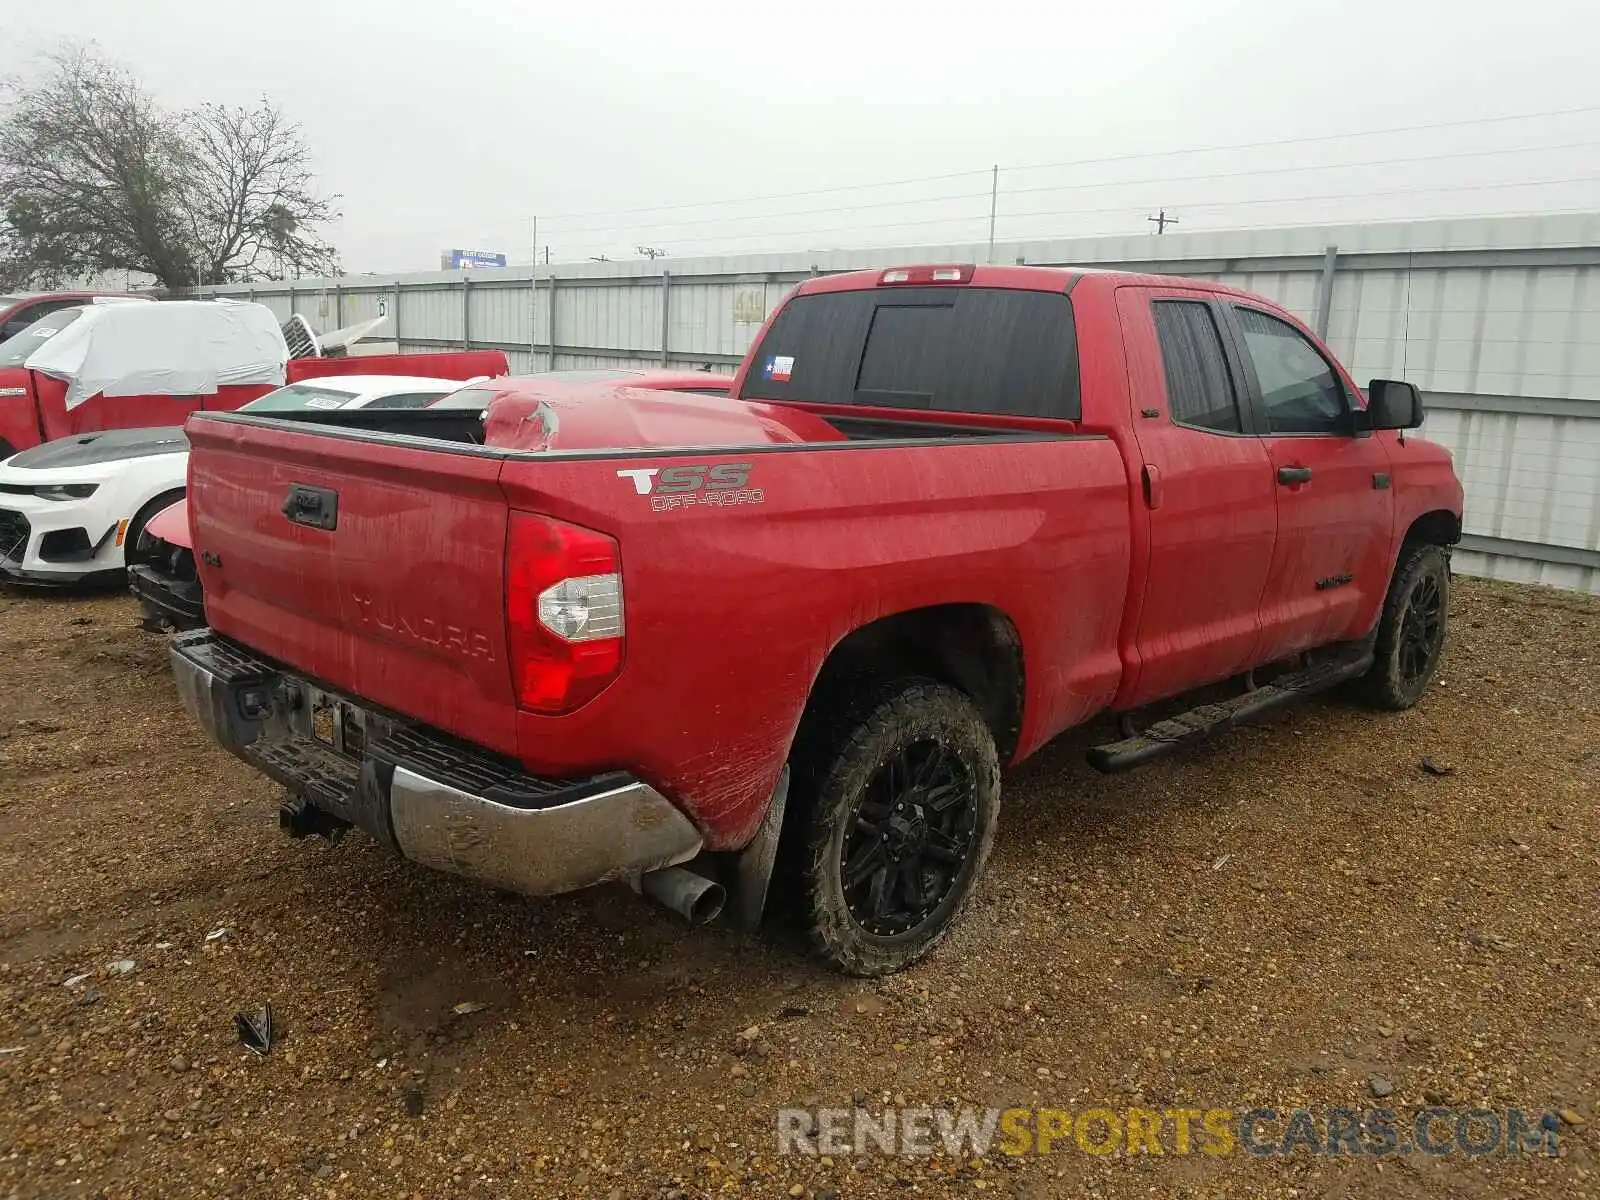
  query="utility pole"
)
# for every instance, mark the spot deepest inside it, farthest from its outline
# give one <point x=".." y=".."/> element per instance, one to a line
<point x="994" y="196"/>
<point x="1161" y="221"/>
<point x="533" y="298"/>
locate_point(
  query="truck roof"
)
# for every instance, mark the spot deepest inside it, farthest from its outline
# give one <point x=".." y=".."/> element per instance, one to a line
<point x="10" y="300"/>
<point x="1021" y="278"/>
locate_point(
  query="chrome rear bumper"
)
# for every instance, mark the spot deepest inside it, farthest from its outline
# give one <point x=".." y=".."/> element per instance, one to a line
<point x="434" y="800"/>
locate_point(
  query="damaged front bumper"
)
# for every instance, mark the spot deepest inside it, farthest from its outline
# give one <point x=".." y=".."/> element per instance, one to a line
<point x="166" y="597"/>
<point x="59" y="542"/>
<point x="429" y="797"/>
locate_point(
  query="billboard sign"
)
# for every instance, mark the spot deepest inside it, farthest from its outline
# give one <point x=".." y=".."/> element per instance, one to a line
<point x="456" y="260"/>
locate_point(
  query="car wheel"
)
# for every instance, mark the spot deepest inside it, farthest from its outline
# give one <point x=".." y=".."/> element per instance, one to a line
<point x="131" y="554"/>
<point x="1411" y="632"/>
<point x="904" y="798"/>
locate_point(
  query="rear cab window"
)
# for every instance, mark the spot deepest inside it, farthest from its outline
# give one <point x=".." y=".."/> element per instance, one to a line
<point x="14" y="351"/>
<point x="1200" y="387"/>
<point x="937" y="349"/>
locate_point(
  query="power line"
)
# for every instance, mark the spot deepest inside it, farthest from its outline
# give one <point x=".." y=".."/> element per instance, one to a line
<point x="1119" y="208"/>
<point x="1084" y="162"/>
<point x="1298" y="168"/>
<point x="1476" y="216"/>
<point x="1362" y="195"/>
<point x="1304" y="141"/>
<point x="1097" y="184"/>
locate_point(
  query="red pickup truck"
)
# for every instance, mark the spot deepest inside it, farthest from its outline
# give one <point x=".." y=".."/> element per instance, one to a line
<point x="792" y="635"/>
<point x="20" y="310"/>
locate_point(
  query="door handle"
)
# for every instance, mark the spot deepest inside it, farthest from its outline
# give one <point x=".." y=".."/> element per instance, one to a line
<point x="1151" y="479"/>
<point x="313" y="506"/>
<point x="1293" y="475"/>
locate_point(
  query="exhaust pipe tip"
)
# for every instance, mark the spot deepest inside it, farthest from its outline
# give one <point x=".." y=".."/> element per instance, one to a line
<point x="695" y="898"/>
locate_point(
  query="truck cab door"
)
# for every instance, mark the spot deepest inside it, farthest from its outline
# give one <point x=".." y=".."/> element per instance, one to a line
<point x="100" y="412"/>
<point x="19" y="412"/>
<point x="1330" y="568"/>
<point x="1207" y="510"/>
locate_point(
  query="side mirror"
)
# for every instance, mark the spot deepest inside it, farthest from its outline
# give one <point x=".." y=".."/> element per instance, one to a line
<point x="1392" y="404"/>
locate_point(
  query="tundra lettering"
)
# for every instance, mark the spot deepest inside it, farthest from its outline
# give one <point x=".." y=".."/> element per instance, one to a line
<point x="427" y="630"/>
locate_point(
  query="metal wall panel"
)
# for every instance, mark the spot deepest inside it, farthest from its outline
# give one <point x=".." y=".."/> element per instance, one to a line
<point x="1527" y="478"/>
<point x="598" y="362"/>
<point x="1523" y="570"/>
<point x="364" y="305"/>
<point x="622" y="318"/>
<point x="499" y="314"/>
<point x="431" y="312"/>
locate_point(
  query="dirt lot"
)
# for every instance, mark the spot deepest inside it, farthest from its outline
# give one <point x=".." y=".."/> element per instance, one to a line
<point x="1280" y="919"/>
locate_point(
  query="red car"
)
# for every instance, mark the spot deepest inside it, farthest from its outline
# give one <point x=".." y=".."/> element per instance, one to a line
<point x="947" y="513"/>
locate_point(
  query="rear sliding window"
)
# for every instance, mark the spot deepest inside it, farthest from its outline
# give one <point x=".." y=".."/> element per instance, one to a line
<point x="955" y="349"/>
<point x="1200" y="388"/>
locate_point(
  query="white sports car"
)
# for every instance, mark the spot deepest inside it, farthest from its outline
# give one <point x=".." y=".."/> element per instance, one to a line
<point x="69" y="508"/>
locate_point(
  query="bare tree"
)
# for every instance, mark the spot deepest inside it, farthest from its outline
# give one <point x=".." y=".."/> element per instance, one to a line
<point x="89" y="176"/>
<point x="251" y="197"/>
<point x="95" y="175"/>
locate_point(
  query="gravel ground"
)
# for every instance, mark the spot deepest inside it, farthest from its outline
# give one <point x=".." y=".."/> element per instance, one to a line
<point x="1299" y="914"/>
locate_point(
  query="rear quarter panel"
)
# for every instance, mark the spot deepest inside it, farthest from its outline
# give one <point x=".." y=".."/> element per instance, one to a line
<point x="731" y="610"/>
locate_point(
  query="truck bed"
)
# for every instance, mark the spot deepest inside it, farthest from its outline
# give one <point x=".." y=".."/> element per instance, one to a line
<point x="731" y="601"/>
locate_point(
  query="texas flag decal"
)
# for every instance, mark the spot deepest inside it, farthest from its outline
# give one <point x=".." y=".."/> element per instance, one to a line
<point x="779" y="368"/>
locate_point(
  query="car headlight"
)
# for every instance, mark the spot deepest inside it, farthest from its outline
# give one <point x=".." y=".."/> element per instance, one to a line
<point x="66" y="491"/>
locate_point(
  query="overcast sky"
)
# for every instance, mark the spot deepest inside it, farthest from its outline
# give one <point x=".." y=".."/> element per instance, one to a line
<point x="452" y="124"/>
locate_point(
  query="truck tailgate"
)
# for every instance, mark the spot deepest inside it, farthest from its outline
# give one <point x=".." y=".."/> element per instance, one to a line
<point x="389" y="584"/>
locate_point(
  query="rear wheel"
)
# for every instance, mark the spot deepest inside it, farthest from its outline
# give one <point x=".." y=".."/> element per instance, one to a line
<point x="1411" y="632"/>
<point x="904" y="798"/>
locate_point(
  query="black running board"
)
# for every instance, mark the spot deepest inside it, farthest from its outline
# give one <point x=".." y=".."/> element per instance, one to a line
<point x="1197" y="724"/>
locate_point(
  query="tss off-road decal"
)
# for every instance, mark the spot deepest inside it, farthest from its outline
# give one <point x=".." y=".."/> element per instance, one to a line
<point x="720" y="485"/>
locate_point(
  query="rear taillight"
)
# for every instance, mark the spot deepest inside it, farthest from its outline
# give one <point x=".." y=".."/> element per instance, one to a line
<point x="564" y="627"/>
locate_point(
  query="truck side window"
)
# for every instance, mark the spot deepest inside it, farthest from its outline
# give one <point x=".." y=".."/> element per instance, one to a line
<point x="1299" y="389"/>
<point x="1200" y="391"/>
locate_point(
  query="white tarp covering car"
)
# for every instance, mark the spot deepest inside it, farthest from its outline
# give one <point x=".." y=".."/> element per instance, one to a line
<point x="70" y="508"/>
<point x="176" y="348"/>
